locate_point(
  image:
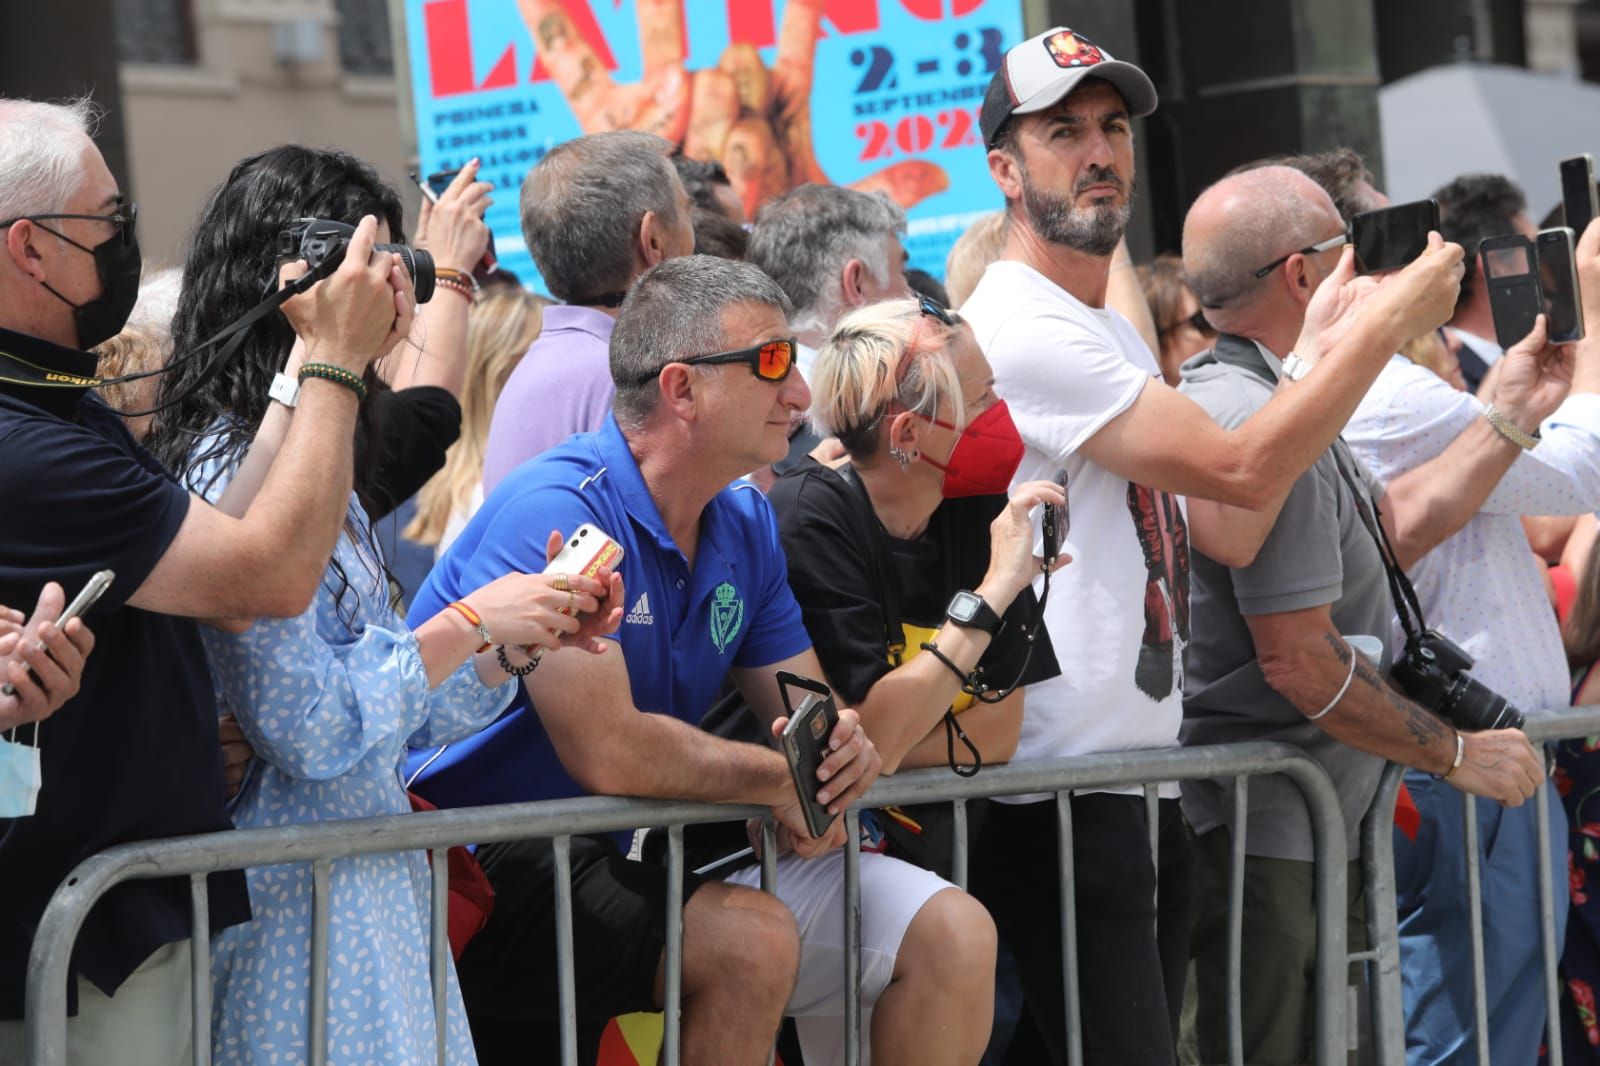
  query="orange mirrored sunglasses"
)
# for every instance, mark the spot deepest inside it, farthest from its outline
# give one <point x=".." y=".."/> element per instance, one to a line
<point x="771" y="361"/>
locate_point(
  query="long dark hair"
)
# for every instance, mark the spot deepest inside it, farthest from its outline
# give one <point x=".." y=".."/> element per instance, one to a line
<point x="231" y="267"/>
<point x="1580" y="635"/>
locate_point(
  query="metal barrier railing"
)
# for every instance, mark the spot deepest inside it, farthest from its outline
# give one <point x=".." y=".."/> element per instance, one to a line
<point x="320" y="843"/>
<point x="1377" y="848"/>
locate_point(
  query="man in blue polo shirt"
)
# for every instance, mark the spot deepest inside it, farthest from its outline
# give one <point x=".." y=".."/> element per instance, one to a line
<point x="701" y="360"/>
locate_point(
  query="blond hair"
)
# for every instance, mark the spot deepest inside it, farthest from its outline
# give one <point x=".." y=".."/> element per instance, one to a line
<point x="878" y="353"/>
<point x="144" y="344"/>
<point x="971" y="255"/>
<point x="500" y="330"/>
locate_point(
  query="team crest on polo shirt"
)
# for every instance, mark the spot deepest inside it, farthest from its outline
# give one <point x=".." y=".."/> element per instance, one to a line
<point x="727" y="615"/>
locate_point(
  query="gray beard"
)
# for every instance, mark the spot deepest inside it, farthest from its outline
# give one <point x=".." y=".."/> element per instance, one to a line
<point x="1094" y="231"/>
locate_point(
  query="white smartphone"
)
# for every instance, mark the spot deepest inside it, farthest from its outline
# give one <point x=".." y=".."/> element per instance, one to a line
<point x="586" y="552"/>
<point x="86" y="598"/>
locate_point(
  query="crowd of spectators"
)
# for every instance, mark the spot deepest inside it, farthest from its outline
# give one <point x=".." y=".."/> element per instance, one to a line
<point x="817" y="461"/>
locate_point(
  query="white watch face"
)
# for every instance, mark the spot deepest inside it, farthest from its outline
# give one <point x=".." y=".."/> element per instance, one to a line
<point x="964" y="606"/>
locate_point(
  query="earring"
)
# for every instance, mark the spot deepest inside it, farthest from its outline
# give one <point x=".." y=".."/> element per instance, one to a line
<point x="901" y="456"/>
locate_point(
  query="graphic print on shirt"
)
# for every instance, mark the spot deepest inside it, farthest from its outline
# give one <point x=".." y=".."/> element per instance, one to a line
<point x="640" y="615"/>
<point x="727" y="615"/>
<point x="1164" y="539"/>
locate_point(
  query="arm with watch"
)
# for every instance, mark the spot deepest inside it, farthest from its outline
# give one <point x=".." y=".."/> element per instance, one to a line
<point x="903" y="708"/>
<point x="1433" y="500"/>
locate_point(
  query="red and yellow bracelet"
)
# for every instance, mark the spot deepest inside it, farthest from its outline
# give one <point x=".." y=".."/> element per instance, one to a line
<point x="476" y="621"/>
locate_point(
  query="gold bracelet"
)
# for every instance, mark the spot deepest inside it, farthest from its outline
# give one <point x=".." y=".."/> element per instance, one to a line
<point x="1510" y="430"/>
<point x="336" y="374"/>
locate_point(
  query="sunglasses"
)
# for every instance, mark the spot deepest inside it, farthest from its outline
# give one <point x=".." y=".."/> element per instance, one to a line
<point x="771" y="361"/>
<point x="936" y="310"/>
<point x="123" y="218"/>
<point x="1311" y="249"/>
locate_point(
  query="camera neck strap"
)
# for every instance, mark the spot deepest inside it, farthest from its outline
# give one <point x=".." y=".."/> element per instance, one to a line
<point x="234" y="334"/>
<point x="1406" y="603"/>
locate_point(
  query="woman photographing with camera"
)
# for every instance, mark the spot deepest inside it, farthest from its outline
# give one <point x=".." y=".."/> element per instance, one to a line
<point x="331" y="700"/>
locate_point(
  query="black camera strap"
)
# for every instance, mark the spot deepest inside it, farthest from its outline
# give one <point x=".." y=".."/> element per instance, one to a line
<point x="234" y="334"/>
<point x="1406" y="603"/>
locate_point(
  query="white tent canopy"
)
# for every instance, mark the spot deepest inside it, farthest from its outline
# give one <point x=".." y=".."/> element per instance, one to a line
<point x="1471" y="117"/>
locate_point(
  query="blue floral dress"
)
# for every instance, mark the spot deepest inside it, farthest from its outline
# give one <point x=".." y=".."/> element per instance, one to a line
<point x="330" y="701"/>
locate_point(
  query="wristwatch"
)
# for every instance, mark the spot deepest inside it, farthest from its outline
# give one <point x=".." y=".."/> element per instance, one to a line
<point x="284" y="389"/>
<point x="968" y="611"/>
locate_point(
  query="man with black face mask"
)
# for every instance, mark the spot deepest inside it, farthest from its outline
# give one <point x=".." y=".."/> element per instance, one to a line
<point x="1087" y="397"/>
<point x="134" y="755"/>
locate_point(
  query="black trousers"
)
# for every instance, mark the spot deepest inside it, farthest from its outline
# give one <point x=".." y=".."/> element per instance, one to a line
<point x="1132" y="952"/>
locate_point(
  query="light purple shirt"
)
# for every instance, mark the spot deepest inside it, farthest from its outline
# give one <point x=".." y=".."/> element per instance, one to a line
<point x="561" y="387"/>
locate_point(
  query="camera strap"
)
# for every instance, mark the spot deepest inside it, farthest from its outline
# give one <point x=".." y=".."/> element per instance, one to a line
<point x="234" y="334"/>
<point x="1406" y="603"/>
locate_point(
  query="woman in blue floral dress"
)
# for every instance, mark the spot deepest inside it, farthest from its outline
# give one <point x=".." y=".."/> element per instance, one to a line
<point x="331" y="700"/>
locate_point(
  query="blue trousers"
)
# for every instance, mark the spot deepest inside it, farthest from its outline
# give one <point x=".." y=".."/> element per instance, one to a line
<point x="1435" y="943"/>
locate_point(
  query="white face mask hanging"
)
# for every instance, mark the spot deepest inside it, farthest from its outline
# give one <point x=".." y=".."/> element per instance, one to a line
<point x="20" y="775"/>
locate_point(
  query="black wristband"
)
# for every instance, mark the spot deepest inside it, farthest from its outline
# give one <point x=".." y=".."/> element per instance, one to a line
<point x="971" y="682"/>
<point x="515" y="671"/>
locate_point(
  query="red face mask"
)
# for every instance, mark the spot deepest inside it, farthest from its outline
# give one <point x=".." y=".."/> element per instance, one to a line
<point x="985" y="458"/>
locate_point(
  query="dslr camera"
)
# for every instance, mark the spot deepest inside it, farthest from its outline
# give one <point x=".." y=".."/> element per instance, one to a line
<point x="318" y="241"/>
<point x="1433" y="672"/>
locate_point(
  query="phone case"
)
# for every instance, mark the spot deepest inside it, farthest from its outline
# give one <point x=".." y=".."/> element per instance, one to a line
<point x="805" y="744"/>
<point x="1515" y="297"/>
<point x="588" y="551"/>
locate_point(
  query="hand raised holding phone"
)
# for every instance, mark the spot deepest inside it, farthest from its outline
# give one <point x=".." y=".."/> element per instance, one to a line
<point x="450" y="225"/>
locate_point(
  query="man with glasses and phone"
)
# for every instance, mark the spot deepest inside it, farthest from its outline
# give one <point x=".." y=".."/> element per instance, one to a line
<point x="82" y="497"/>
<point x="1293" y="605"/>
<point x="704" y="366"/>
<point x="1085" y="395"/>
<point x="1481" y="587"/>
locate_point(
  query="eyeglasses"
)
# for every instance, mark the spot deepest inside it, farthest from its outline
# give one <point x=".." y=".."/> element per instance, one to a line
<point x="1196" y="322"/>
<point x="936" y="310"/>
<point x="771" y="361"/>
<point x="123" y="218"/>
<point x="1321" y="246"/>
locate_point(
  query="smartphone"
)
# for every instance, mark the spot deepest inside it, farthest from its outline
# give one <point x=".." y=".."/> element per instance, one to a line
<point x="1578" y="194"/>
<point x="433" y="188"/>
<point x="1394" y="236"/>
<point x="586" y="552"/>
<point x="1510" y="270"/>
<point x="86" y="598"/>
<point x="1057" y="522"/>
<point x="805" y="743"/>
<point x="1558" y="284"/>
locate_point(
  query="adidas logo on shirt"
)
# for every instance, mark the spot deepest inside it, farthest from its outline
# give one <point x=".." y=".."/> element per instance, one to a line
<point x="640" y="615"/>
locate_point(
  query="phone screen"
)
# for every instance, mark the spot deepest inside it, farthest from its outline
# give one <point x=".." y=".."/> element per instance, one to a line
<point x="1391" y="238"/>
<point x="1559" y="284"/>
<point x="1506" y="262"/>
<point x="1578" y="191"/>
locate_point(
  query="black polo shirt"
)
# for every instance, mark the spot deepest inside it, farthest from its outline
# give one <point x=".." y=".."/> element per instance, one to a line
<point x="134" y="756"/>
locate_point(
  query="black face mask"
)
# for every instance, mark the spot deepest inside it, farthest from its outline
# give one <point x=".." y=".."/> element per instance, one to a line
<point x="119" y="265"/>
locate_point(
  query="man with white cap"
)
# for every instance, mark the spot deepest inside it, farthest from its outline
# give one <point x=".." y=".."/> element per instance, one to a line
<point x="1088" y="399"/>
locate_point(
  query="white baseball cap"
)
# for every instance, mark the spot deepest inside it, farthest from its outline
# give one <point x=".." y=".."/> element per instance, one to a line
<point x="1044" y="68"/>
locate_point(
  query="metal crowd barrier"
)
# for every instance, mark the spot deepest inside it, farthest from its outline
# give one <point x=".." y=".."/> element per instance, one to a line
<point x="1377" y="848"/>
<point x="319" y="844"/>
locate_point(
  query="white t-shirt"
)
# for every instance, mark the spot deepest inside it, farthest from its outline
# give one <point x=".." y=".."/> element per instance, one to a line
<point x="1118" y="615"/>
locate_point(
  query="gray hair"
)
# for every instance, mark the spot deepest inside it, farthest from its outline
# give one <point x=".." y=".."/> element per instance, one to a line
<point x="674" y="311"/>
<point x="806" y="236"/>
<point x="41" y="153"/>
<point x="1260" y="215"/>
<point x="582" y="205"/>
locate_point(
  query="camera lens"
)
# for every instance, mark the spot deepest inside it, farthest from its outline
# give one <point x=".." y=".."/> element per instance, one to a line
<point x="419" y="264"/>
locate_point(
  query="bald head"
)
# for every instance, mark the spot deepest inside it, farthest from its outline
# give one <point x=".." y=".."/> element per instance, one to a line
<point x="1244" y="222"/>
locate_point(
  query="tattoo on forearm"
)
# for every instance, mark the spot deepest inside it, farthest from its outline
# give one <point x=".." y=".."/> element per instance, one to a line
<point x="1424" y="727"/>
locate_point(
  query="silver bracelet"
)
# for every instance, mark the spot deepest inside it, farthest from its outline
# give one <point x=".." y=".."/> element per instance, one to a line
<point x="1342" y="688"/>
<point x="1461" y="753"/>
<point x="1509" y="429"/>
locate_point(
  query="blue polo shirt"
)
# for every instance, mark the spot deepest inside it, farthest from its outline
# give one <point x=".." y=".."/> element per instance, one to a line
<point x="682" y="631"/>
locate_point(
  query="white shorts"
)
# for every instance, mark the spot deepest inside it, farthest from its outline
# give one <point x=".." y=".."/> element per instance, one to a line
<point x="892" y="892"/>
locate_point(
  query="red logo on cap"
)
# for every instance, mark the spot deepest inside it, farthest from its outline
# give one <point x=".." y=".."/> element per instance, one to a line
<point x="1069" y="50"/>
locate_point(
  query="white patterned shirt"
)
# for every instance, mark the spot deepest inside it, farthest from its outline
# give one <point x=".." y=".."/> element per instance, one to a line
<point x="1482" y="587"/>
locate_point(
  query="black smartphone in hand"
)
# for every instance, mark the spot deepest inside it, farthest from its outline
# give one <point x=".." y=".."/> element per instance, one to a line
<point x="1390" y="238"/>
<point x="805" y="743"/>
<point x="1578" y="194"/>
<point x="1511" y="274"/>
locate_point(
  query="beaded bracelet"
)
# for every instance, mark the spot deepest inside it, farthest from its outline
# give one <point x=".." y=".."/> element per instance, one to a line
<point x="518" y="671"/>
<point x="336" y="374"/>
<point x="457" y="287"/>
<point x="452" y="274"/>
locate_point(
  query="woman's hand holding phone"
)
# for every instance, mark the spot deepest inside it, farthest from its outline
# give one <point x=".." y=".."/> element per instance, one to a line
<point x="452" y="227"/>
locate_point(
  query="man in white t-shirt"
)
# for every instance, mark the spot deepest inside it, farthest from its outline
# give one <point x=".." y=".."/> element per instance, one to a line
<point x="1087" y="397"/>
